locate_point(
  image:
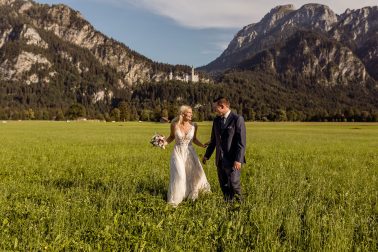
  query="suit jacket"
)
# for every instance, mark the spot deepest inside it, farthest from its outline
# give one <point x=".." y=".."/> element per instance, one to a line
<point x="229" y="140"/>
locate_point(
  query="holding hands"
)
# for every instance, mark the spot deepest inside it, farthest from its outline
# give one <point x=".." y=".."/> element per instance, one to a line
<point x="205" y="145"/>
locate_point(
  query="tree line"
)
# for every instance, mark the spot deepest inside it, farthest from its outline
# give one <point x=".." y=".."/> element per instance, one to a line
<point x="152" y="101"/>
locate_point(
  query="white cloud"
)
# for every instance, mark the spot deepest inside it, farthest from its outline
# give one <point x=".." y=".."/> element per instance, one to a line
<point x="216" y="47"/>
<point x="209" y="52"/>
<point x="220" y="45"/>
<point x="200" y="14"/>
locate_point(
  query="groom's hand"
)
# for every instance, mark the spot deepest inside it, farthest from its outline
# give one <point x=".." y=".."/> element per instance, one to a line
<point x="237" y="165"/>
<point x="204" y="159"/>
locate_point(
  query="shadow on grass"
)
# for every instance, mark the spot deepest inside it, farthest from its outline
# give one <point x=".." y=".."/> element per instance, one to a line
<point x="70" y="183"/>
<point x="62" y="183"/>
<point x="154" y="188"/>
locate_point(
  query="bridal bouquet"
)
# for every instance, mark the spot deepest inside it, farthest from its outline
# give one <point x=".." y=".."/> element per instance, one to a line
<point x="158" y="140"/>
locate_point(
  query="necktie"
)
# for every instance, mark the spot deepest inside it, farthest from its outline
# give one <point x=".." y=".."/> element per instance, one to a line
<point x="223" y="120"/>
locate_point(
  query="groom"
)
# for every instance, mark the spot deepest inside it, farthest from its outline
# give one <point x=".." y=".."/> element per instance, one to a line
<point x="228" y="137"/>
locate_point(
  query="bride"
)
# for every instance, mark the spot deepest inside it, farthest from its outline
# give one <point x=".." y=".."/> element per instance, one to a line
<point x="187" y="177"/>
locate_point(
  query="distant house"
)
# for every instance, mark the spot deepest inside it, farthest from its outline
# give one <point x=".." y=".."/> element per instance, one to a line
<point x="164" y="120"/>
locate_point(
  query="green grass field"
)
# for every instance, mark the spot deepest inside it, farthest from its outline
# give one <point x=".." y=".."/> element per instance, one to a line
<point x="101" y="186"/>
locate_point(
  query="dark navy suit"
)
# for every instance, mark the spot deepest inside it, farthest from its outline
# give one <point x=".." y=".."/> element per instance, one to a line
<point x="229" y="141"/>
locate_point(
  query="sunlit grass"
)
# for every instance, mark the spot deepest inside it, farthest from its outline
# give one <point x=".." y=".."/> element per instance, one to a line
<point x="101" y="186"/>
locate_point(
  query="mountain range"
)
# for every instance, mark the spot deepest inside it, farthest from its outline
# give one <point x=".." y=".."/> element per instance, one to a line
<point x="55" y="52"/>
<point x="342" y="48"/>
<point x="51" y="58"/>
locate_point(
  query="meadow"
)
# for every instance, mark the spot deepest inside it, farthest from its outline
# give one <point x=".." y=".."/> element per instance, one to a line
<point x="94" y="186"/>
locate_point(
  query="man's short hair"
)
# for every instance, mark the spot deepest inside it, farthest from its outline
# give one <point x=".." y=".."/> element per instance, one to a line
<point x="222" y="101"/>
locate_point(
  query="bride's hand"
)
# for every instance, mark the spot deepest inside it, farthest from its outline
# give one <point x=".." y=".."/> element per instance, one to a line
<point x="206" y="144"/>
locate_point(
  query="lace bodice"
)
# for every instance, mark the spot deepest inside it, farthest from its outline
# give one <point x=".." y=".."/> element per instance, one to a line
<point x="182" y="138"/>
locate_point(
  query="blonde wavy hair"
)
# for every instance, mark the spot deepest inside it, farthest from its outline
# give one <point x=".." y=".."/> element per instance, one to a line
<point x="180" y="113"/>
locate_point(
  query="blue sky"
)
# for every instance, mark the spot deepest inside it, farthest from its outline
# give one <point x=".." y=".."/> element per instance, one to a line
<point x="191" y="32"/>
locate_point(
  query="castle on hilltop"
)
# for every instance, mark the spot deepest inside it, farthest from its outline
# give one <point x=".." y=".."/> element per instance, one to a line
<point x="193" y="77"/>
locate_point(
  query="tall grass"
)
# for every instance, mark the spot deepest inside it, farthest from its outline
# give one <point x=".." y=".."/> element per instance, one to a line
<point x="101" y="186"/>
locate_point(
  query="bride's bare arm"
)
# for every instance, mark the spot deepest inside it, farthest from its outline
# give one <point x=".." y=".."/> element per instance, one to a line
<point x="195" y="140"/>
<point x="172" y="134"/>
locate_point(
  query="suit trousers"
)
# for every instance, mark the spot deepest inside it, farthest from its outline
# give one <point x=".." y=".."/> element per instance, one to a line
<point x="229" y="180"/>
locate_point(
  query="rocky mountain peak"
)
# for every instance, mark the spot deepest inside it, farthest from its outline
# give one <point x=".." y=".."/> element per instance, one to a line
<point x="282" y="8"/>
<point x="275" y="14"/>
<point x="251" y="32"/>
<point x="279" y="10"/>
<point x="356" y="29"/>
<point x="316" y="16"/>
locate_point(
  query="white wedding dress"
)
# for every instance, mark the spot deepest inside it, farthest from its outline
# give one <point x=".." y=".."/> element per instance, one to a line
<point x="187" y="177"/>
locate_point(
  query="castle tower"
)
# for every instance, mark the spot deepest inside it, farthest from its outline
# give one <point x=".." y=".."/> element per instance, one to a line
<point x="194" y="77"/>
